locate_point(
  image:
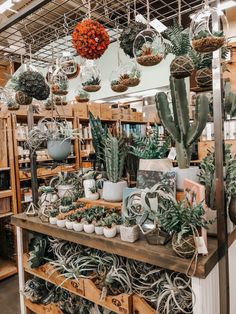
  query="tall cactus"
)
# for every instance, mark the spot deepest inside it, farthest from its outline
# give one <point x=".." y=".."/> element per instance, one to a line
<point x="115" y="153"/>
<point x="178" y="123"/>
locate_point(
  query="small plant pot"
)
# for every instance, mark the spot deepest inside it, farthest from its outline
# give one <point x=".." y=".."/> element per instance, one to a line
<point x="99" y="230"/>
<point x="93" y="196"/>
<point x="181" y="67"/>
<point x="190" y="173"/>
<point x="208" y="44"/>
<point x="110" y="232"/>
<point x="59" y="149"/>
<point x="64" y="190"/>
<point x="69" y="224"/>
<point x="89" y="228"/>
<point x="185" y="247"/>
<point x="149" y="60"/>
<point x="129" y="234"/>
<point x="91" y="88"/>
<point x="79" y="99"/>
<point x="119" y="88"/>
<point x="61" y="223"/>
<point x="53" y="220"/>
<point x="113" y="192"/>
<point x="78" y="226"/>
<point x="88" y="184"/>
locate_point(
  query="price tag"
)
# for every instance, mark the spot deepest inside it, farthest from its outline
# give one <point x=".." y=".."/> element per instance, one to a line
<point x="172" y="153"/>
<point x="201" y="245"/>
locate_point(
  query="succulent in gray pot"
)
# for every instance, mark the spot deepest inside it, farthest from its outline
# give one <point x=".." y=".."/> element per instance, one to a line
<point x="129" y="230"/>
<point x="115" y="152"/>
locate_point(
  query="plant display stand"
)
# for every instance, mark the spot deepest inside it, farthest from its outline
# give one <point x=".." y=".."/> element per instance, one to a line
<point x="204" y="283"/>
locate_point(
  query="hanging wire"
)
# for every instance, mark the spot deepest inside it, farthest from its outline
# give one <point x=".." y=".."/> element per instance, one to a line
<point x="179" y="12"/>
<point x="128" y="12"/>
<point x="66" y="31"/>
<point x="118" y="41"/>
<point x="148" y="15"/>
<point x="135" y="10"/>
<point x="89" y="9"/>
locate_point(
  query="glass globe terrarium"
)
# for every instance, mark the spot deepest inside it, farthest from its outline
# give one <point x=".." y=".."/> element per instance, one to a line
<point x="59" y="82"/>
<point x="69" y="66"/>
<point x="149" y="48"/>
<point x="202" y="35"/>
<point x="10" y="101"/>
<point x="90" y="78"/>
<point x="81" y="95"/>
<point x="116" y="82"/>
<point x="130" y="74"/>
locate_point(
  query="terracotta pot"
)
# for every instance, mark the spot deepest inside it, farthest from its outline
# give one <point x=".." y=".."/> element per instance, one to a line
<point x="232" y="209"/>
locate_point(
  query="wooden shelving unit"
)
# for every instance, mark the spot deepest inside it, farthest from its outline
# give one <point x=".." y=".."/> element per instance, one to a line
<point x="7" y="268"/>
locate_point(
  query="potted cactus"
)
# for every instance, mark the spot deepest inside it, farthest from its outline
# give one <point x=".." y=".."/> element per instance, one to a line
<point x="129" y="231"/>
<point x="88" y="224"/>
<point x="94" y="195"/>
<point x="110" y="229"/>
<point x="178" y="125"/>
<point x="115" y="152"/>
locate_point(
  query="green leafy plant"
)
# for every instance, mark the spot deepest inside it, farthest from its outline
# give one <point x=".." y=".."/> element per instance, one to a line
<point x="149" y="146"/>
<point x="71" y="217"/>
<point x="115" y="152"/>
<point x="205" y="33"/>
<point x="66" y="200"/>
<point x="178" y="124"/>
<point x="129" y="221"/>
<point x="54" y="212"/>
<point x="37" y="251"/>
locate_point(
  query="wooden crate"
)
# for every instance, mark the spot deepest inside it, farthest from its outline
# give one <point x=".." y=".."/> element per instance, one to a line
<point x="116" y="113"/>
<point x="42" y="309"/>
<point x="139" y="116"/>
<point x="105" y="110"/>
<point x="94" y="109"/>
<point x="80" y="109"/>
<point x="204" y="146"/>
<point x="121" y="304"/>
<point x="48" y="273"/>
<point x="64" y="111"/>
<point x="140" y="306"/>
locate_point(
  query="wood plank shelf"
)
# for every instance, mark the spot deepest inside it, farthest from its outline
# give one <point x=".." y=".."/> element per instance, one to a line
<point x="3" y="215"/>
<point x="7" y="268"/>
<point x="6" y="193"/>
<point x="162" y="256"/>
<point x="42" y="309"/>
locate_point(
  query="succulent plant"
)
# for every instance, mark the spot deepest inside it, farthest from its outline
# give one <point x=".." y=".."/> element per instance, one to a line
<point x="93" y="81"/>
<point x="115" y="152"/>
<point x="177" y="124"/>
<point x="204" y="34"/>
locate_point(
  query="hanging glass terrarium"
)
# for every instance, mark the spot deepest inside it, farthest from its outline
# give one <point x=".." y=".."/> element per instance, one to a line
<point x="60" y="101"/>
<point x="116" y="82"/>
<point x="90" y="78"/>
<point x="202" y="34"/>
<point x="130" y="74"/>
<point x="69" y="66"/>
<point x="59" y="82"/>
<point x="10" y="101"/>
<point x="149" y="47"/>
<point x="81" y="95"/>
<point x="49" y="74"/>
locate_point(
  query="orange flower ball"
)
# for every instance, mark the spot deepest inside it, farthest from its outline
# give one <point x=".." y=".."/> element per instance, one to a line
<point x="90" y="39"/>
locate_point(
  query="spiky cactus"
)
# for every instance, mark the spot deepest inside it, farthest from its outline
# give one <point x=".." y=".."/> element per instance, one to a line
<point x="115" y="153"/>
<point x="178" y="124"/>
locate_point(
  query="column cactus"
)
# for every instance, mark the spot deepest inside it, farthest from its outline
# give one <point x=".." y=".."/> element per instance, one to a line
<point x="177" y="121"/>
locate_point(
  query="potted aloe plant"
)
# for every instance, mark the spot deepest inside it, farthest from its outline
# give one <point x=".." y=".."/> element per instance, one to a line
<point x="99" y="227"/>
<point x="70" y="219"/>
<point x="110" y="229"/>
<point x="78" y="224"/>
<point x="115" y="152"/>
<point x="53" y="216"/>
<point x="89" y="222"/>
<point x="129" y="231"/>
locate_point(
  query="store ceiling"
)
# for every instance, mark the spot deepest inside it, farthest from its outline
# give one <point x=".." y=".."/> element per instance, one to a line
<point x="56" y="18"/>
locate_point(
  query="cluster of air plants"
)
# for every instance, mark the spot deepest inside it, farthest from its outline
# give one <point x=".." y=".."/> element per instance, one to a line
<point x="149" y="146"/>
<point x="115" y="275"/>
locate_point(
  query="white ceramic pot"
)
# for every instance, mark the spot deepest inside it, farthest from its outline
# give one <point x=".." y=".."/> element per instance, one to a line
<point x="69" y="224"/>
<point x="59" y="149"/>
<point x="110" y="232"/>
<point x="65" y="190"/>
<point x="93" y="196"/>
<point x="190" y="173"/>
<point x="88" y="184"/>
<point x="61" y="223"/>
<point x="78" y="226"/>
<point x="89" y="228"/>
<point x="118" y="229"/>
<point x="99" y="230"/>
<point x="163" y="165"/>
<point x="113" y="192"/>
<point x="53" y="220"/>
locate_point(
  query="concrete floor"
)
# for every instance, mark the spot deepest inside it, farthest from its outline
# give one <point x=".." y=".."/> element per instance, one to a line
<point x="9" y="296"/>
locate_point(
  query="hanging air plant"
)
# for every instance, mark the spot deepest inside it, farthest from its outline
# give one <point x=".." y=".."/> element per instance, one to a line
<point x="203" y="37"/>
<point x="90" y="39"/>
<point x="128" y="36"/>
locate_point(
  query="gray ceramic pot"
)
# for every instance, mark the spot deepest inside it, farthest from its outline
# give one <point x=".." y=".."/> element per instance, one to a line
<point x="59" y="149"/>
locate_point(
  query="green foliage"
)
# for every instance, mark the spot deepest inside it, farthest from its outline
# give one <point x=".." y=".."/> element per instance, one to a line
<point x="177" y="123"/>
<point x="182" y="218"/>
<point x="37" y="251"/>
<point x="115" y="152"/>
<point x="129" y="221"/>
<point x="71" y="217"/>
<point x="115" y="82"/>
<point x="178" y="37"/>
<point x="93" y="81"/>
<point x="149" y="147"/>
<point x="204" y="34"/>
<point x="53" y="212"/>
<point x="66" y="200"/>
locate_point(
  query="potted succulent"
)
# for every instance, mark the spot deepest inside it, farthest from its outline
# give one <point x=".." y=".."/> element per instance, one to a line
<point x="179" y="45"/>
<point x="181" y="130"/>
<point x="132" y="78"/>
<point x="89" y="182"/>
<point x="70" y="219"/>
<point x="88" y="224"/>
<point x="61" y="221"/>
<point x="115" y="152"/>
<point x="110" y="229"/>
<point x="184" y="221"/>
<point x="93" y="195"/>
<point x="53" y="216"/>
<point x="129" y="231"/>
<point x="48" y="195"/>
<point x="82" y="96"/>
<point x="65" y="204"/>
<point x="65" y="183"/>
<point x="92" y="85"/>
<point x="78" y="224"/>
<point x="205" y="42"/>
<point x="99" y="227"/>
<point x="118" y="87"/>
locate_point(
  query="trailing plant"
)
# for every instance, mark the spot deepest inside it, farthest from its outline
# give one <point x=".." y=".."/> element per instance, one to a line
<point x="178" y="124"/>
<point x="115" y="152"/>
<point x="149" y="146"/>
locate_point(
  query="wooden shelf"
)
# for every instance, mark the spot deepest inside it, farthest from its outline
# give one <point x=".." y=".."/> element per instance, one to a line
<point x="133" y="122"/>
<point x="6" y="193"/>
<point x="43" y="160"/>
<point x="5" y="168"/>
<point x="6" y="214"/>
<point x="161" y="256"/>
<point x="7" y="268"/>
<point x="42" y="309"/>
